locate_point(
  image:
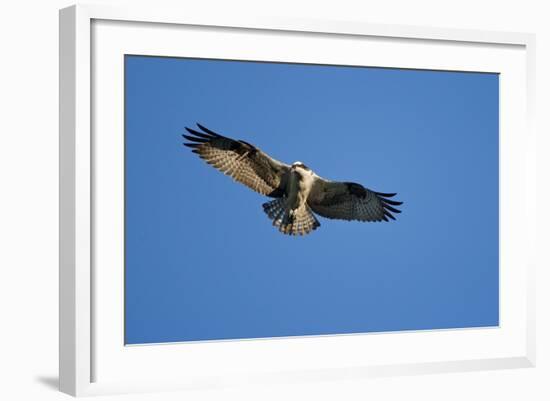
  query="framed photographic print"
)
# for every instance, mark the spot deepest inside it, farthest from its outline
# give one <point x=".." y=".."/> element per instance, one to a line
<point x="269" y="200"/>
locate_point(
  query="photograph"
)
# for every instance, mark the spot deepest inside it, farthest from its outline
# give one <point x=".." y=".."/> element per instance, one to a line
<point x="272" y="199"/>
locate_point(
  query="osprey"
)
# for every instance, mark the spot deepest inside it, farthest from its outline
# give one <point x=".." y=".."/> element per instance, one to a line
<point x="298" y="191"/>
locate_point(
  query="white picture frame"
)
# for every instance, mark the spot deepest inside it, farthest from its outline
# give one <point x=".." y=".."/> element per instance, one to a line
<point x="92" y="354"/>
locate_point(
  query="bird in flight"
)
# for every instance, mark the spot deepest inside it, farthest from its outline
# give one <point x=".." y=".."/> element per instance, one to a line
<point x="299" y="193"/>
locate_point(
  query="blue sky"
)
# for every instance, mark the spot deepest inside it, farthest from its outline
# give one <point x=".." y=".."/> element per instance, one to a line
<point x="202" y="259"/>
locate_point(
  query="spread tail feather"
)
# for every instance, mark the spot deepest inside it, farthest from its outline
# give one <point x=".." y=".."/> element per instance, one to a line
<point x="299" y="221"/>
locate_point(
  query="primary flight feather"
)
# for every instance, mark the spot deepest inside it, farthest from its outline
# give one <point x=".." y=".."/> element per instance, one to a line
<point x="299" y="192"/>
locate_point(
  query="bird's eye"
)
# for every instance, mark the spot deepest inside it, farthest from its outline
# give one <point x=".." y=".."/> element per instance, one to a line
<point x="304" y="166"/>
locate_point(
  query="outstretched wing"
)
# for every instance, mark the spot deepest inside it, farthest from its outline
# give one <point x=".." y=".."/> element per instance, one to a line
<point x="242" y="161"/>
<point x="350" y="201"/>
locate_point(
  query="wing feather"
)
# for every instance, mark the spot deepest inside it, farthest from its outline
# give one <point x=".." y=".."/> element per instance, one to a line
<point x="351" y="201"/>
<point x="242" y="161"/>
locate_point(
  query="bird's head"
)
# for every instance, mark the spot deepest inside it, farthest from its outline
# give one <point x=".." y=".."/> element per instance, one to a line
<point x="297" y="165"/>
<point x="300" y="168"/>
